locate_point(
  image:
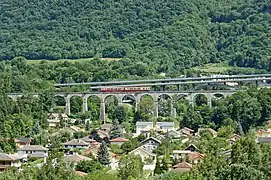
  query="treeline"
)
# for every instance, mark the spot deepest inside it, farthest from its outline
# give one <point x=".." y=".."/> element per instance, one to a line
<point x="173" y="35"/>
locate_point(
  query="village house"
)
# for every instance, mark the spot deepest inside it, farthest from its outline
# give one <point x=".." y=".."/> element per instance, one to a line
<point x="119" y="141"/>
<point x="91" y="141"/>
<point x="10" y="160"/>
<point x="142" y="127"/>
<point x="55" y="118"/>
<point x="34" y="151"/>
<point x="144" y="154"/>
<point x="173" y="134"/>
<point x="74" y="159"/>
<point x="150" y="144"/>
<point x="164" y="126"/>
<point x="234" y="138"/>
<point x="186" y="131"/>
<point x="76" y="144"/>
<point x="20" y="142"/>
<point x="103" y="134"/>
<point x="201" y="130"/>
<point x="106" y="127"/>
<point x="263" y="133"/>
<point x="192" y="148"/>
<point x="182" y="167"/>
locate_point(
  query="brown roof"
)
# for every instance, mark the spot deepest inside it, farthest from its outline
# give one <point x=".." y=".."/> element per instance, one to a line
<point x="33" y="148"/>
<point x="76" y="142"/>
<point x="195" y="156"/>
<point x="80" y="173"/>
<point x="182" y="167"/>
<point x="88" y="139"/>
<point x="75" y="158"/>
<point x="22" y="140"/>
<point x="10" y="157"/>
<point x="103" y="133"/>
<point x="119" y="139"/>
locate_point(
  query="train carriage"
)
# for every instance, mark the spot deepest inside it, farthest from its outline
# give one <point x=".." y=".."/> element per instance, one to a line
<point x="124" y="89"/>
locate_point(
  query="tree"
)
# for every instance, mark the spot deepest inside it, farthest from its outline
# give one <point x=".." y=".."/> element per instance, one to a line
<point x="158" y="169"/>
<point x="87" y="126"/>
<point x="119" y="114"/>
<point x="115" y="132"/>
<point x="130" y="166"/>
<point x="103" y="155"/>
<point x="89" y="166"/>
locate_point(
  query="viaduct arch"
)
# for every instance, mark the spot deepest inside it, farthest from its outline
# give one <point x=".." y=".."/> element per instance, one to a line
<point x="137" y="96"/>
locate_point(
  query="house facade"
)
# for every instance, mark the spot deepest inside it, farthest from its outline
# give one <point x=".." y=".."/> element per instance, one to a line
<point x="142" y="127"/>
<point x="164" y="126"/>
<point x="144" y="154"/>
<point x="34" y="151"/>
<point x="20" y="142"/>
<point x="150" y="144"/>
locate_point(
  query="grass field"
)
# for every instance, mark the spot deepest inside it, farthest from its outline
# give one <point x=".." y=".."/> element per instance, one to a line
<point x="37" y="61"/>
<point x="213" y="68"/>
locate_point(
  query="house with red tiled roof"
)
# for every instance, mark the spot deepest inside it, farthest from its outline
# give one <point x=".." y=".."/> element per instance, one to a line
<point x="195" y="157"/>
<point x="182" y="167"/>
<point x="119" y="141"/>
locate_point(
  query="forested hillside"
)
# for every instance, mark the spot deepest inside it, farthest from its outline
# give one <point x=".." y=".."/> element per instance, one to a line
<point x="172" y="34"/>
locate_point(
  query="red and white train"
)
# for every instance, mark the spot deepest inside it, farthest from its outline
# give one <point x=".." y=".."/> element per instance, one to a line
<point x="125" y="89"/>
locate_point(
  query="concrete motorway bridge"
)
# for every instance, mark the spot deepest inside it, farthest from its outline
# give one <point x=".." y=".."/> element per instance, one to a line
<point x="135" y="96"/>
<point x="256" y="78"/>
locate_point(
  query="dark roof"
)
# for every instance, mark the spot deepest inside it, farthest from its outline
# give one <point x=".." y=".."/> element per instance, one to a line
<point x="33" y="148"/>
<point x="264" y="139"/>
<point x="152" y="139"/>
<point x="23" y="140"/>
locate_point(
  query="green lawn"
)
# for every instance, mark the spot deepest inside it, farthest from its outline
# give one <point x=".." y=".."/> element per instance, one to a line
<point x="37" y="61"/>
<point x="213" y="68"/>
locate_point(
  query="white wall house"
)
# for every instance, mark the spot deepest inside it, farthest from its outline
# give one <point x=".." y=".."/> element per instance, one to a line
<point x="150" y="144"/>
<point x="143" y="127"/>
<point x="165" y="126"/>
<point x="34" y="151"/>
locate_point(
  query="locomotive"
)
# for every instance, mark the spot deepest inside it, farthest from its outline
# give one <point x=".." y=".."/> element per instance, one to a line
<point x="125" y="89"/>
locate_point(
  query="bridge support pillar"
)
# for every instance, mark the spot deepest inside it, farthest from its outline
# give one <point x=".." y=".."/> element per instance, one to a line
<point x="102" y="110"/>
<point x="172" y="109"/>
<point x="68" y="106"/>
<point x="85" y="104"/>
<point x="156" y="108"/>
<point x="209" y="100"/>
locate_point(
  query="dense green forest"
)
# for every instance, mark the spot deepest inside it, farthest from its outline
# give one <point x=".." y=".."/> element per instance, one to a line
<point x="169" y="35"/>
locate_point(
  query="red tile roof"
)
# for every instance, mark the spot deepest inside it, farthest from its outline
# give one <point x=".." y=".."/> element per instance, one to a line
<point x="119" y="139"/>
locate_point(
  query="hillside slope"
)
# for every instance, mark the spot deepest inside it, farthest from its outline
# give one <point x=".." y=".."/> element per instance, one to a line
<point x="171" y="35"/>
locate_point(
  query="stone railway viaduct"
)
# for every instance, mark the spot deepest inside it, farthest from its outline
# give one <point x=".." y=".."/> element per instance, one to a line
<point x="135" y="96"/>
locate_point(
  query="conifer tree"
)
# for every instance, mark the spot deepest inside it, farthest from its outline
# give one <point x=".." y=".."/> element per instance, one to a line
<point x="103" y="155"/>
